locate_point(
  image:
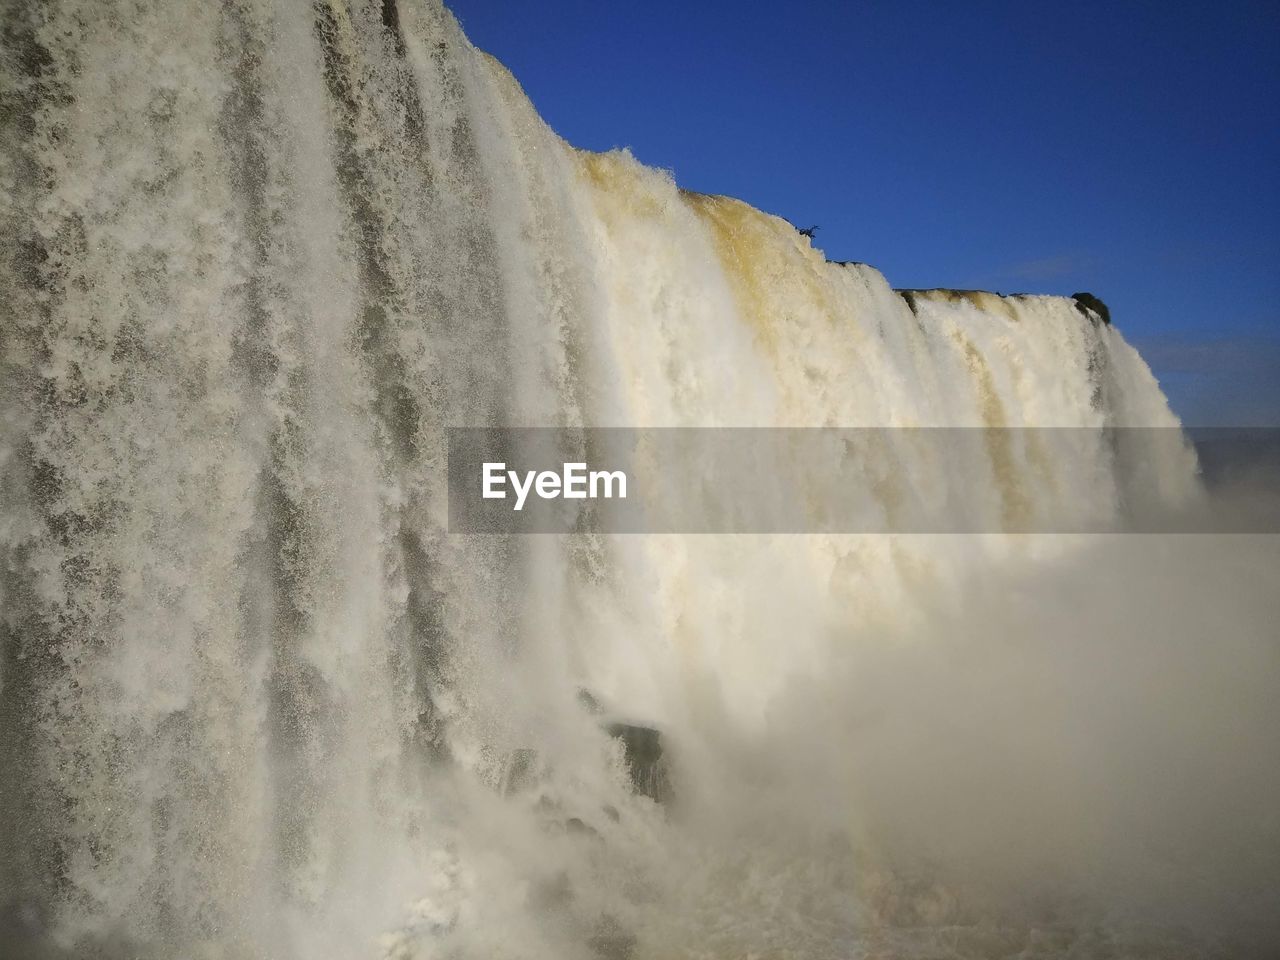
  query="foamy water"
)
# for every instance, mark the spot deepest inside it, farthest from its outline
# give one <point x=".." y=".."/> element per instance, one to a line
<point x="258" y="702"/>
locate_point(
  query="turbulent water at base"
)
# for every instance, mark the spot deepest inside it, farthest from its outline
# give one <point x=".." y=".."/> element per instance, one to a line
<point x="257" y="702"/>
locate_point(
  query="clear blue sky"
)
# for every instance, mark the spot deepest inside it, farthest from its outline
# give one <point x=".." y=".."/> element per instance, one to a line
<point x="1130" y="149"/>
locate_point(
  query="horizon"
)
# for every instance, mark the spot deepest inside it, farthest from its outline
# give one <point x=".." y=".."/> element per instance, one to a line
<point x="1137" y="169"/>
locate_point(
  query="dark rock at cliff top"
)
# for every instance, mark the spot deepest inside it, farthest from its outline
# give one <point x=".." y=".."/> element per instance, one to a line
<point x="1086" y="302"/>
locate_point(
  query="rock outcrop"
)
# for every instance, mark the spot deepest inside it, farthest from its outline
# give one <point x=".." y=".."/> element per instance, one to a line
<point x="1088" y="304"/>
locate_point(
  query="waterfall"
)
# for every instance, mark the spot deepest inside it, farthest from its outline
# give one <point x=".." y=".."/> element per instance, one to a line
<point x="256" y="700"/>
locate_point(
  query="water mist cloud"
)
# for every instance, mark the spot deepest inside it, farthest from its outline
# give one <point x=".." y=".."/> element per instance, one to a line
<point x="1089" y="742"/>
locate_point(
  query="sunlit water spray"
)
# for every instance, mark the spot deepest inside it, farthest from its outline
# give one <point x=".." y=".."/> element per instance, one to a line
<point x="257" y="702"/>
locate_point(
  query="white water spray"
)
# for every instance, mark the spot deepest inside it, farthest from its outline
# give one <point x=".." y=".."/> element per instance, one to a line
<point x="257" y="702"/>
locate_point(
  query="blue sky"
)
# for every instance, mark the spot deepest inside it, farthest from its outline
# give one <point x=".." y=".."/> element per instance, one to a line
<point x="1130" y="149"/>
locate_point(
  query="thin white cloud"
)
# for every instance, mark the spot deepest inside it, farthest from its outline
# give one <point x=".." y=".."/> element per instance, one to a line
<point x="1218" y="381"/>
<point x="1046" y="268"/>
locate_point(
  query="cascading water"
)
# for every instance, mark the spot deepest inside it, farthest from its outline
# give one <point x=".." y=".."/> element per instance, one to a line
<point x="257" y="702"/>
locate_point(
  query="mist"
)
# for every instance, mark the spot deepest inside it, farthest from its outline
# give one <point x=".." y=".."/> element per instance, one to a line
<point x="1084" y="745"/>
<point x="1068" y="757"/>
<point x="261" y="700"/>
